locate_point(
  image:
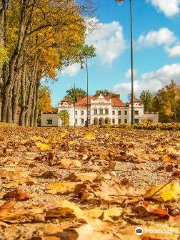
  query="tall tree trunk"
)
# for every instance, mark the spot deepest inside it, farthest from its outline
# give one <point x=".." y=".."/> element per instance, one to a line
<point x="23" y="96"/>
<point x="36" y="107"/>
<point x="29" y="101"/>
<point x="7" y="94"/>
<point x="14" y="62"/>
<point x="33" y="107"/>
<point x="15" y="100"/>
<point x="32" y="87"/>
<point x="2" y="15"/>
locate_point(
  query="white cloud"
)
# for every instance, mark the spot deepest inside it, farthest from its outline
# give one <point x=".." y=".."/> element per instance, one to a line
<point x="168" y="7"/>
<point x="108" y="41"/>
<point x="156" y="38"/>
<point x="174" y="51"/>
<point x="152" y="81"/>
<point x="71" y="70"/>
<point x="128" y="74"/>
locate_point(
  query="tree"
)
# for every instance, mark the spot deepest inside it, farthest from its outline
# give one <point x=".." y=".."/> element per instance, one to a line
<point x="73" y="93"/>
<point x="85" y="53"/>
<point x="64" y="118"/>
<point x="129" y="97"/>
<point x="44" y="103"/>
<point x="167" y="103"/>
<point x="105" y="93"/>
<point x="38" y="36"/>
<point x="146" y="98"/>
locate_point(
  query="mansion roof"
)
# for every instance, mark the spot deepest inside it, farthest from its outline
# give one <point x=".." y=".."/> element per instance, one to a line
<point x="114" y="100"/>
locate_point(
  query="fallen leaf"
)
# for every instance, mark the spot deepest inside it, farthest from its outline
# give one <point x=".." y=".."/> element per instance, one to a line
<point x="19" y="195"/>
<point x="43" y="146"/>
<point x="61" y="188"/>
<point x="164" y="192"/>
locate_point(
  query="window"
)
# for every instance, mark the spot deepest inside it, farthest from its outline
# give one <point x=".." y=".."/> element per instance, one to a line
<point x="95" y="111"/>
<point x="107" y="111"/>
<point x="95" y="121"/>
<point x="49" y="121"/>
<point x="76" y="112"/>
<point x="136" y="112"/>
<point x="113" y="121"/>
<point x="82" y="112"/>
<point x="113" y="112"/>
<point x="101" y="111"/>
<point x="136" y="121"/>
<point x="125" y="113"/>
<point x="82" y="121"/>
<point x="76" y="121"/>
<point x="125" y="120"/>
<point x="119" y="112"/>
<point x="119" y="121"/>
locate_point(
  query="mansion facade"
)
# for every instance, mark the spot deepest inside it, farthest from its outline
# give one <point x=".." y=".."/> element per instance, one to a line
<point x="101" y="110"/>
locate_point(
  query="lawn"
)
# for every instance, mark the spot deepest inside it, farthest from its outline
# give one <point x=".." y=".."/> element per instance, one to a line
<point x="96" y="183"/>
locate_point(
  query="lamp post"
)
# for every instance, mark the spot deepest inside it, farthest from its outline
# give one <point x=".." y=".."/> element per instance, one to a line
<point x="74" y="105"/>
<point x="87" y="85"/>
<point x="132" y="61"/>
<point x="86" y="53"/>
<point x="85" y="62"/>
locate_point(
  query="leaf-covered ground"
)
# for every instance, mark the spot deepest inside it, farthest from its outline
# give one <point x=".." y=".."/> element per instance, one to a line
<point x="90" y="184"/>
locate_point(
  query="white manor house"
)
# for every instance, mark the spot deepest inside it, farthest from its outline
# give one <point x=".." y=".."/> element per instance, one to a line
<point x="101" y="110"/>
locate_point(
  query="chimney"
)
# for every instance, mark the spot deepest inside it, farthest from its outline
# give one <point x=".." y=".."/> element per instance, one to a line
<point x="79" y="97"/>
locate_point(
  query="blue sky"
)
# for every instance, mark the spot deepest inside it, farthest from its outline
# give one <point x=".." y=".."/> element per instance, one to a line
<point x="156" y="43"/>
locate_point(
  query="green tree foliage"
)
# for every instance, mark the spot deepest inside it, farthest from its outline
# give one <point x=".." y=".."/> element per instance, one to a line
<point x="87" y="52"/>
<point x="129" y="97"/>
<point x="64" y="118"/>
<point x="73" y="93"/>
<point x="146" y="98"/>
<point x="105" y="93"/>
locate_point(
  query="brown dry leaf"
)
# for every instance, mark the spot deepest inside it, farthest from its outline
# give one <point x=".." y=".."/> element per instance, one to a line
<point x="68" y="163"/>
<point x="151" y="211"/>
<point x="25" y="215"/>
<point x="49" y="174"/>
<point x="115" y="189"/>
<point x="20" y="176"/>
<point x="82" y="177"/>
<point x="112" y="214"/>
<point x="96" y="230"/>
<point x="18" y="195"/>
<point x="65" y="209"/>
<point x="6" y="208"/>
<point x="61" y="188"/>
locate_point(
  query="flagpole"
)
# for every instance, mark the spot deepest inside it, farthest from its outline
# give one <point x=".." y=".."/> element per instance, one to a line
<point x="132" y="60"/>
<point x="132" y="67"/>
